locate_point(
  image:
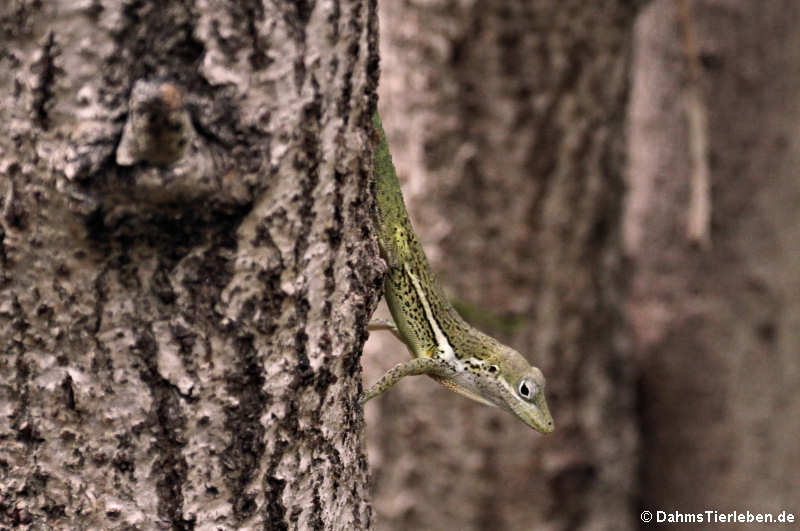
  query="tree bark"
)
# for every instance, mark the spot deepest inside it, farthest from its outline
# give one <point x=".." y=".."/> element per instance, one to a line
<point x="506" y="121"/>
<point x="187" y="264"/>
<point x="717" y="331"/>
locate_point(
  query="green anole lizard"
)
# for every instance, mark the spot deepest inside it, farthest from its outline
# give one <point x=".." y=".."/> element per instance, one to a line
<point x="444" y="346"/>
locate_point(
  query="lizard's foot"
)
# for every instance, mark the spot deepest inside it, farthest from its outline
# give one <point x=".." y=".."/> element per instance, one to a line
<point x="430" y="366"/>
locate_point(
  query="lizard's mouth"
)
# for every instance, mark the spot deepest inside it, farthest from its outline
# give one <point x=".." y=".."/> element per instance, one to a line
<point x="535" y="416"/>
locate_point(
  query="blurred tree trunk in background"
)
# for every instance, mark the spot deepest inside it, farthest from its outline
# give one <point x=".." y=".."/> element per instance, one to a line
<point x="718" y="332"/>
<point x="506" y="121"/>
<point x="180" y="345"/>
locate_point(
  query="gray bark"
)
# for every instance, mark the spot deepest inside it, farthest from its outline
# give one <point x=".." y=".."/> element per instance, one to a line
<point x="182" y="307"/>
<point x="717" y="331"/>
<point x="506" y="121"/>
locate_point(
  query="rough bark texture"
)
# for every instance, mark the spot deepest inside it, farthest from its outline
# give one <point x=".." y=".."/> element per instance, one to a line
<point x="180" y="342"/>
<point x="506" y="121"/>
<point x="718" y="332"/>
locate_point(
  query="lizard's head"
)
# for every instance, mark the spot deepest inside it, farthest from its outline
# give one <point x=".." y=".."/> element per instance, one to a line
<point x="528" y="402"/>
<point x="519" y="388"/>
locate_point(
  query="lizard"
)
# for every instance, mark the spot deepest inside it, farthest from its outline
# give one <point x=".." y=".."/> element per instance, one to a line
<point x="443" y="345"/>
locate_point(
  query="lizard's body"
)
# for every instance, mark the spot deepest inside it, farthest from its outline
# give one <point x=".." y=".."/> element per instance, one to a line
<point x="444" y="346"/>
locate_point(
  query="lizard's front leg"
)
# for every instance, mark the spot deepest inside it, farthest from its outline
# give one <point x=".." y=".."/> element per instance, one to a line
<point x="430" y="366"/>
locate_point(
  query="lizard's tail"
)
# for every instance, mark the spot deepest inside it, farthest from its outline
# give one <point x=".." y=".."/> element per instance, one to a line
<point x="392" y="215"/>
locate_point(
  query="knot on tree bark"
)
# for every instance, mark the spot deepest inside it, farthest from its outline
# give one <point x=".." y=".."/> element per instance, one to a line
<point x="162" y="158"/>
<point x="158" y="128"/>
<point x="173" y="172"/>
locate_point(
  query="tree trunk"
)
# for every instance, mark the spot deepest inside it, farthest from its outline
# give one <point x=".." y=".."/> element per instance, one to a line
<point x="186" y="263"/>
<point x="506" y="121"/>
<point x="717" y="331"/>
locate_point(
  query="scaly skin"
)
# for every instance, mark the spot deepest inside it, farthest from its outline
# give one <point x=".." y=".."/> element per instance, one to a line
<point x="444" y="346"/>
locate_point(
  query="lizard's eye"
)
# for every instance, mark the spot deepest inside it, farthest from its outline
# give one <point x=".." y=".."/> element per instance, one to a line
<point x="527" y="389"/>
